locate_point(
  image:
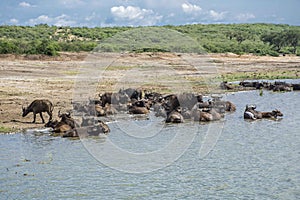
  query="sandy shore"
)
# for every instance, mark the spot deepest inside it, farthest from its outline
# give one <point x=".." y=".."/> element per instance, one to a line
<point x="25" y="78"/>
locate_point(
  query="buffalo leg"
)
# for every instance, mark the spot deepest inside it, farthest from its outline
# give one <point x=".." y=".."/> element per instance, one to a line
<point x="50" y="115"/>
<point x="34" y="117"/>
<point x="42" y="117"/>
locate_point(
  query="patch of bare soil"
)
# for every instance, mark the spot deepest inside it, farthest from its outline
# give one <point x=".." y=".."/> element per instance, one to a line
<point x="25" y="78"/>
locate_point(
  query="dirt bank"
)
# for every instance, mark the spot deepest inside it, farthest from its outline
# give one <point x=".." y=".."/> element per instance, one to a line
<point x="25" y="78"/>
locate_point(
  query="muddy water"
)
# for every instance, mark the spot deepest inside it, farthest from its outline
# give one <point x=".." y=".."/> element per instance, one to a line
<point x="250" y="160"/>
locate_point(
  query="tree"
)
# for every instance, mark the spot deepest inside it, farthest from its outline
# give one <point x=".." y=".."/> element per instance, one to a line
<point x="48" y="47"/>
<point x="7" y="46"/>
<point x="241" y="36"/>
<point x="275" y="39"/>
<point x="292" y="37"/>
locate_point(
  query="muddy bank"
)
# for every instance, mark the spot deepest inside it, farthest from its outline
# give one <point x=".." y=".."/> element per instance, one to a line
<point x="25" y="78"/>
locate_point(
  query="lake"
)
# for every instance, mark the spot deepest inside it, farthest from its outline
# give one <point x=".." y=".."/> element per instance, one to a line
<point x="146" y="159"/>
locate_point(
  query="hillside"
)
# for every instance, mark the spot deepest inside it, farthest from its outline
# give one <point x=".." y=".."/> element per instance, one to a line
<point x="258" y="39"/>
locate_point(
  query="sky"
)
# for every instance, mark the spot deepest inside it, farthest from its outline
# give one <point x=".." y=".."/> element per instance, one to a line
<point x="101" y="13"/>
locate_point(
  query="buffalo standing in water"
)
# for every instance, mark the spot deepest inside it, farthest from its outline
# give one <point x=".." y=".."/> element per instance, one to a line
<point x="39" y="106"/>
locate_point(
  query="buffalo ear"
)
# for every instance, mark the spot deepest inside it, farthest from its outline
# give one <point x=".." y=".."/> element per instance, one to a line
<point x="59" y="115"/>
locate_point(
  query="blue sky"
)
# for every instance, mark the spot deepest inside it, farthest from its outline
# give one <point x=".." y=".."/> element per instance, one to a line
<point x="93" y="13"/>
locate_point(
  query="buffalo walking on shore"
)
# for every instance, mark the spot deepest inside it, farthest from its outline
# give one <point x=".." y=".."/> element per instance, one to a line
<point x="38" y="107"/>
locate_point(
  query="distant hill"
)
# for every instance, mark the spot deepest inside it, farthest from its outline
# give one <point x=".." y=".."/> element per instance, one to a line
<point x="258" y="39"/>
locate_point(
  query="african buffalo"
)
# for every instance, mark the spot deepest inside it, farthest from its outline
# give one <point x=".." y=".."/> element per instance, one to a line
<point x="105" y="98"/>
<point x="132" y="93"/>
<point x="39" y="106"/>
<point x="252" y="84"/>
<point x="251" y="113"/>
<point x="67" y="119"/>
<point x="296" y="86"/>
<point x="272" y="114"/>
<point x="138" y="110"/>
<point x="171" y="102"/>
<point x="174" y="116"/>
<point x="226" y="86"/>
<point x="93" y="127"/>
<point x="60" y="127"/>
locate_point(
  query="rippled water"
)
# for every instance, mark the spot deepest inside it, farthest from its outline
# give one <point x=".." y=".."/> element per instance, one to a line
<point x="251" y="160"/>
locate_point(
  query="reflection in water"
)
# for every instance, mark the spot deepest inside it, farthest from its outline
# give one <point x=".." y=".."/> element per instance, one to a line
<point x="251" y="160"/>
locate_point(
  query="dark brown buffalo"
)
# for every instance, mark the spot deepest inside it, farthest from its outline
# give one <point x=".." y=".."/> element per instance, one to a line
<point x="105" y="98"/>
<point x="273" y="114"/>
<point x="205" y="115"/>
<point x="154" y="96"/>
<point x="171" y="102"/>
<point x="280" y="88"/>
<point x="252" y="84"/>
<point x="174" y="117"/>
<point x="92" y="126"/>
<point x="226" y="86"/>
<point x="61" y="128"/>
<point x="296" y="86"/>
<point x="39" y="106"/>
<point x="251" y="113"/>
<point x="67" y="119"/>
<point x="138" y="110"/>
<point x="117" y="99"/>
<point x="282" y="83"/>
<point x="65" y="127"/>
<point x="224" y="105"/>
<point x="188" y="100"/>
<point x="132" y="93"/>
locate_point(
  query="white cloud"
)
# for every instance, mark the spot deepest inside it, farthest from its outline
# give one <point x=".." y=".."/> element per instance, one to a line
<point x="163" y="4"/>
<point x="42" y="19"/>
<point x="91" y="17"/>
<point x="62" y="20"/>
<point x="72" y="3"/>
<point x="13" y="21"/>
<point x="128" y="12"/>
<point x="190" y="8"/>
<point x="216" y="16"/>
<point x="25" y="4"/>
<point x="245" y="16"/>
<point x="135" y="15"/>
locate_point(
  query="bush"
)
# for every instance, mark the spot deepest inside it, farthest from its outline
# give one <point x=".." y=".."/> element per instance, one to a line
<point x="273" y="53"/>
<point x="7" y="46"/>
<point x="260" y="39"/>
<point x="48" y="47"/>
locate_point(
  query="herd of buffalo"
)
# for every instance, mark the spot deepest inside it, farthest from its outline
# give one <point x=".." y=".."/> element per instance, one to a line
<point x="277" y="86"/>
<point x="173" y="108"/>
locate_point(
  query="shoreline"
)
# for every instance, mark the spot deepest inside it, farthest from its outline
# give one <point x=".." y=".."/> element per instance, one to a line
<point x="25" y="78"/>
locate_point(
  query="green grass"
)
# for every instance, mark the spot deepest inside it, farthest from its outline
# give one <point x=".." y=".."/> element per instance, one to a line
<point x="216" y="61"/>
<point x="71" y="73"/>
<point x="271" y="75"/>
<point x="6" y="129"/>
<point x="115" y="68"/>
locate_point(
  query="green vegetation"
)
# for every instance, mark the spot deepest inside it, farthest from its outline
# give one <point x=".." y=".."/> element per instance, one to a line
<point x="270" y="75"/>
<point x="6" y="130"/>
<point x="258" y="39"/>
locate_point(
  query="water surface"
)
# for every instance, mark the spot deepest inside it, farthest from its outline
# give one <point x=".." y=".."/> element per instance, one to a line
<point x="251" y="160"/>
